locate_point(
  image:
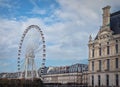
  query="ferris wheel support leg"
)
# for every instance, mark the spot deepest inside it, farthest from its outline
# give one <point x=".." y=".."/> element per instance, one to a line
<point x="32" y="69"/>
<point x="34" y="66"/>
<point x="26" y="65"/>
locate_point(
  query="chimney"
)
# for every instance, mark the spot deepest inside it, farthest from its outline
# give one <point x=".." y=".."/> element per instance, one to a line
<point x="106" y="15"/>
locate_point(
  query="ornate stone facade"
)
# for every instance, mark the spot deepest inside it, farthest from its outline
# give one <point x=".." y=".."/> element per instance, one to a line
<point x="104" y="52"/>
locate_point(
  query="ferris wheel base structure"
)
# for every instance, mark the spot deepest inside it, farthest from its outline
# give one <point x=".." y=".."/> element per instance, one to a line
<point x="30" y="71"/>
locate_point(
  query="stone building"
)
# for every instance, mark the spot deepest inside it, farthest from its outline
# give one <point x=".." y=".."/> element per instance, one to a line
<point x="104" y="52"/>
<point x="73" y="74"/>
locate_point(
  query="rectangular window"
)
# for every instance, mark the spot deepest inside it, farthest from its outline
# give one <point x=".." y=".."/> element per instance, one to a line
<point x="117" y="80"/>
<point x="99" y="51"/>
<point x="116" y="47"/>
<point x="92" y="52"/>
<point x="117" y="62"/>
<point x="108" y="50"/>
<point x="99" y="80"/>
<point x="92" y="81"/>
<point x="92" y="65"/>
<point x="108" y="64"/>
<point x="100" y="65"/>
<point x="107" y="80"/>
<point x="116" y="41"/>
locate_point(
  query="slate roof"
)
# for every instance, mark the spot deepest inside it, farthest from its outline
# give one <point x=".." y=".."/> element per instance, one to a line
<point x="115" y="22"/>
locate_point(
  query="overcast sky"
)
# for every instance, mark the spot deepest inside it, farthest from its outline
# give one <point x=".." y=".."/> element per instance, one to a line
<point x="66" y="25"/>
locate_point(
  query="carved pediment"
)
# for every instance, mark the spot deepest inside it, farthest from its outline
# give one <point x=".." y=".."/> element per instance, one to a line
<point x="104" y="33"/>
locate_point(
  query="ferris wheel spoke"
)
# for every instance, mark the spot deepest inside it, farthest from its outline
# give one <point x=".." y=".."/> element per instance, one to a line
<point x="38" y="50"/>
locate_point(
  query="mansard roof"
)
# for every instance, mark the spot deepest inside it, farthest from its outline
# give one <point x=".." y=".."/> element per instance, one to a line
<point x="115" y="22"/>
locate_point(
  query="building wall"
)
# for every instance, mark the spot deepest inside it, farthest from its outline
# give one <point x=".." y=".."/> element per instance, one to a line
<point x="103" y="79"/>
<point x="79" y="78"/>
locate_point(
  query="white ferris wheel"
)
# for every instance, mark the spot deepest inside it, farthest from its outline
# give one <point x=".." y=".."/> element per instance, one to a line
<point x="31" y="53"/>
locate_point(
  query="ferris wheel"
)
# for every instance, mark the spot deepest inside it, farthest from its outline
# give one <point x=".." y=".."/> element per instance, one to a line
<point x="31" y="53"/>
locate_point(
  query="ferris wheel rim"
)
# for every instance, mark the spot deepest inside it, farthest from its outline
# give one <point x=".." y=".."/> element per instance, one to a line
<point x="21" y="43"/>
